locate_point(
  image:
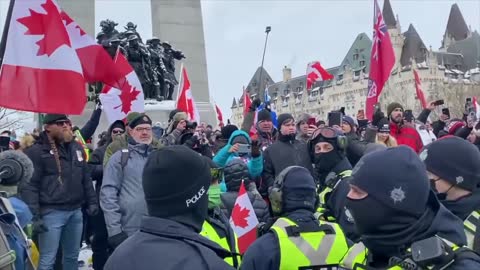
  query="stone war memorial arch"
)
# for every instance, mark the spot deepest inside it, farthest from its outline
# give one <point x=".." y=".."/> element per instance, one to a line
<point x="181" y="24"/>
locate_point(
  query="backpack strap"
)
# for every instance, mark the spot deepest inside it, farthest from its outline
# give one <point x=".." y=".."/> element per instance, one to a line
<point x="124" y="157"/>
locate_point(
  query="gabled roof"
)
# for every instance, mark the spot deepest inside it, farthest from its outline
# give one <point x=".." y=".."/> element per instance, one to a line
<point x="456" y="26"/>
<point x="254" y="86"/>
<point x="362" y="47"/>
<point x="413" y="47"/>
<point x="234" y="103"/>
<point x="450" y="60"/>
<point x="469" y="48"/>
<point x="388" y="15"/>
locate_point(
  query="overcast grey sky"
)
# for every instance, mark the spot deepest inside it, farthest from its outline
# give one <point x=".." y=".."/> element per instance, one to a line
<point x="302" y="31"/>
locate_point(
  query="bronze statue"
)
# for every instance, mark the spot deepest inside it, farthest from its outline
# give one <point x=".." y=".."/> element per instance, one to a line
<point x="153" y="62"/>
<point x="169" y="57"/>
<point x="158" y="68"/>
<point x="139" y="58"/>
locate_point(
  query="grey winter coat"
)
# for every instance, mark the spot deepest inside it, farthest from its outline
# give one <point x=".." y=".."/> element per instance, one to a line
<point x="121" y="196"/>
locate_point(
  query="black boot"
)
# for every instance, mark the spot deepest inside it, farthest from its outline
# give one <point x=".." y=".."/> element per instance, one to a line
<point x="158" y="94"/>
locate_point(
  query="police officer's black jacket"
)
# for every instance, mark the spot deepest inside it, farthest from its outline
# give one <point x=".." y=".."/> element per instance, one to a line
<point x="168" y="245"/>
<point x="464" y="206"/>
<point x="335" y="201"/>
<point x="45" y="190"/>
<point x="264" y="253"/>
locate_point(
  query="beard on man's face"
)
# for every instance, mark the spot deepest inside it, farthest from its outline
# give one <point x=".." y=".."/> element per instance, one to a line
<point x="61" y="135"/>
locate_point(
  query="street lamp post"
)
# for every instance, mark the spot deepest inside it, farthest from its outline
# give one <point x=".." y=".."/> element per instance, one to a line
<point x="261" y="84"/>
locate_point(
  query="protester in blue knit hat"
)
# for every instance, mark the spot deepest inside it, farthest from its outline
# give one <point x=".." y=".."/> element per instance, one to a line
<point x="394" y="208"/>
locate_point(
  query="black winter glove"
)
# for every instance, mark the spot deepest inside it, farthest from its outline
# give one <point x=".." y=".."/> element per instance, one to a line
<point x="39" y="226"/>
<point x="255" y="148"/>
<point x="116" y="240"/>
<point x="255" y="103"/>
<point x="92" y="210"/>
<point x="377" y="116"/>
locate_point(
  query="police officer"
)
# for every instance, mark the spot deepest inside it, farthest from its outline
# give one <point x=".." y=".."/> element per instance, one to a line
<point x="453" y="169"/>
<point x="401" y="222"/>
<point x="333" y="170"/>
<point x="217" y="226"/>
<point x="177" y="205"/>
<point x="287" y="245"/>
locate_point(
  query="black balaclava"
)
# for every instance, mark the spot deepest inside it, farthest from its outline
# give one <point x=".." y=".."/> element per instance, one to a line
<point x="325" y="162"/>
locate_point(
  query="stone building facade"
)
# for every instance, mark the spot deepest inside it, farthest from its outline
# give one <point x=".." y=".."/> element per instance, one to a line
<point x="452" y="73"/>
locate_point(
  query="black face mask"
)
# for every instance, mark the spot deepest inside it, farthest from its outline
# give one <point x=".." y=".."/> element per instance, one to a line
<point x="366" y="220"/>
<point x="325" y="162"/>
<point x="440" y="196"/>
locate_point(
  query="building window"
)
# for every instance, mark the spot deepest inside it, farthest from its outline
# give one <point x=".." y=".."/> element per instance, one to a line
<point x="355" y="56"/>
<point x="254" y="84"/>
<point x="299" y="89"/>
<point x="340" y="77"/>
<point x="286" y="92"/>
<point x="362" y="63"/>
<point x="344" y="67"/>
<point x="357" y="73"/>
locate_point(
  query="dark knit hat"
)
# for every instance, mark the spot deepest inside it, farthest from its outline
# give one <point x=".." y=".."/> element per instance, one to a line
<point x="454" y="160"/>
<point x="175" y="193"/>
<point x="264" y="115"/>
<point x="282" y="118"/>
<point x="299" y="189"/>
<point x="117" y="124"/>
<point x="51" y="118"/>
<point x="349" y="120"/>
<point x="172" y="113"/>
<point x="227" y="131"/>
<point x="141" y="119"/>
<point x="132" y="116"/>
<point x="395" y="177"/>
<point x="384" y="125"/>
<point x="392" y="106"/>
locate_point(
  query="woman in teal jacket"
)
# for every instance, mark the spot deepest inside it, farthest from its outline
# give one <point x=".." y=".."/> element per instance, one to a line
<point x="254" y="160"/>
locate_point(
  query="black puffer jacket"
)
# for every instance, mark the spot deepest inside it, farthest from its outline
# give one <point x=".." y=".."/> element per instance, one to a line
<point x="234" y="172"/>
<point x="46" y="190"/>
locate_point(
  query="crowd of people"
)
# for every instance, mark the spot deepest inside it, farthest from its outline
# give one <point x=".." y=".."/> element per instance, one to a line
<point x="397" y="192"/>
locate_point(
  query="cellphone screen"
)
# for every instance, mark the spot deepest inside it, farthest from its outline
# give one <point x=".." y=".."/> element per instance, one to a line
<point x="334" y="119"/>
<point x="311" y="121"/>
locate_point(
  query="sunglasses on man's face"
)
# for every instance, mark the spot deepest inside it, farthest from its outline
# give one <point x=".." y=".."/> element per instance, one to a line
<point x="117" y="131"/>
<point x="63" y="123"/>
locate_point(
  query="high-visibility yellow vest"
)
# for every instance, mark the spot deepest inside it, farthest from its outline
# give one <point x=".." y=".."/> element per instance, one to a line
<point x="470" y="224"/>
<point x="325" y="247"/>
<point x="81" y="141"/>
<point x="209" y="232"/>
<point x="322" y="211"/>
<point x="357" y="256"/>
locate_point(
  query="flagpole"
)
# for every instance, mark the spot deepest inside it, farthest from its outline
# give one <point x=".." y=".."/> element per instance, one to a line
<point x="267" y="30"/>
<point x="3" y="42"/>
<point x="180" y="78"/>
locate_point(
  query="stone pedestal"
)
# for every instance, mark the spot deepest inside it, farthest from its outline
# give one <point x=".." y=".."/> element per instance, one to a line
<point x="181" y="24"/>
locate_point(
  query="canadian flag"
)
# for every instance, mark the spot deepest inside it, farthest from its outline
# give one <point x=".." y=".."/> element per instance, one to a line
<point x="185" y="101"/>
<point x="418" y="88"/>
<point x="243" y="220"/>
<point x="315" y="72"/>
<point x="97" y="65"/>
<point x="117" y="103"/>
<point x="41" y="71"/>
<point x="219" y="116"/>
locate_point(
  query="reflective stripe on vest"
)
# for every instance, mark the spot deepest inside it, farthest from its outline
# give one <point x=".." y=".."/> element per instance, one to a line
<point x="471" y="224"/>
<point x="309" y="248"/>
<point x="210" y="233"/>
<point x="357" y="255"/>
<point x="322" y="211"/>
<point x="81" y="141"/>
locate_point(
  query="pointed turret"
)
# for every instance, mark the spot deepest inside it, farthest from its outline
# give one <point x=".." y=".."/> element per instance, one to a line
<point x="388" y="15"/>
<point x="456" y="29"/>
<point x="234" y="103"/>
<point x="413" y="48"/>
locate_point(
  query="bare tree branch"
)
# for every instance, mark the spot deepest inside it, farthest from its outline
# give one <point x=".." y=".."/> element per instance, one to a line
<point x="11" y="119"/>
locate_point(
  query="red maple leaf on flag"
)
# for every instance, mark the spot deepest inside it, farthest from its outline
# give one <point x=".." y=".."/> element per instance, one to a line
<point x="240" y="215"/>
<point x="69" y="20"/>
<point x="128" y="95"/>
<point x="50" y="25"/>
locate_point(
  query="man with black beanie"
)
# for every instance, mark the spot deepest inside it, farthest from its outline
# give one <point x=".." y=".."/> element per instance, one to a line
<point x="394" y="208"/>
<point x="266" y="132"/>
<point x="405" y="135"/>
<point x="286" y="151"/>
<point x="453" y="169"/>
<point x="177" y="203"/>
